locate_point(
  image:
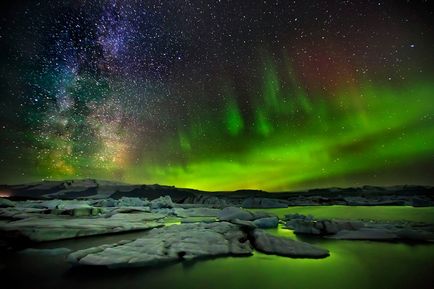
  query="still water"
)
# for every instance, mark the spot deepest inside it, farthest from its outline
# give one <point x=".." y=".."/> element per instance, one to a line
<point x="352" y="264"/>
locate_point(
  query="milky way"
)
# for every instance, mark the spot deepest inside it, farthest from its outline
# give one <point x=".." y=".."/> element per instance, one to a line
<point x="274" y="95"/>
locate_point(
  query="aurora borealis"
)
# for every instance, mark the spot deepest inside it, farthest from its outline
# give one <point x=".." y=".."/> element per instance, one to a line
<point x="218" y="95"/>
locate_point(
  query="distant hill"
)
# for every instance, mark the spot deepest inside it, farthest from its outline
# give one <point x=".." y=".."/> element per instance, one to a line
<point x="99" y="189"/>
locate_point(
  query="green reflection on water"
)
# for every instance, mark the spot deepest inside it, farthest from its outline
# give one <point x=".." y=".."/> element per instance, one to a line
<point x="386" y="213"/>
<point x="351" y="265"/>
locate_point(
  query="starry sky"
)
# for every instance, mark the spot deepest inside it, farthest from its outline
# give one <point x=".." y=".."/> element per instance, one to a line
<point x="218" y="94"/>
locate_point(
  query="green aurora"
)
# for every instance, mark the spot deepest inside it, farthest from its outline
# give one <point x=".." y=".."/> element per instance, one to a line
<point x="288" y="138"/>
<point x="362" y="129"/>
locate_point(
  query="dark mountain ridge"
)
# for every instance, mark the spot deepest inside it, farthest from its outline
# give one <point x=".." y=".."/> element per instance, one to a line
<point x="99" y="189"/>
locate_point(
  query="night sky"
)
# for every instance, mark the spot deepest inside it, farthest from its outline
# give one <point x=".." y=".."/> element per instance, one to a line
<point x="218" y="95"/>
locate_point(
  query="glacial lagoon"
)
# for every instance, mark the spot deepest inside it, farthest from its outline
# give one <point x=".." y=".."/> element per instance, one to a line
<point x="351" y="264"/>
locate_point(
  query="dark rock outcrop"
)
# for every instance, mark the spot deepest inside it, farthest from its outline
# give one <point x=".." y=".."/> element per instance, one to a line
<point x="307" y="225"/>
<point x="264" y="203"/>
<point x="232" y="213"/>
<point x="286" y="247"/>
<point x="164" y="202"/>
<point x="169" y="244"/>
<point x="47" y="252"/>
<point x="5" y="203"/>
<point x="265" y="223"/>
<point x="51" y="227"/>
<point x="365" y="234"/>
<point x="359" y="230"/>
